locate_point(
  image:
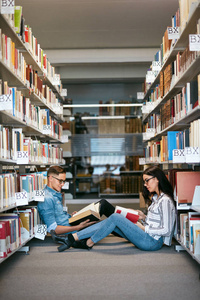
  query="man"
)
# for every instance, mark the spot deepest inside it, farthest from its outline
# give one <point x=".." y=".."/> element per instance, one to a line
<point x="51" y="210"/>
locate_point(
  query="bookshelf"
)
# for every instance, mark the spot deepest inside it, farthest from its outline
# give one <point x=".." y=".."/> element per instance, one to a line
<point x="172" y="105"/>
<point x="31" y="127"/>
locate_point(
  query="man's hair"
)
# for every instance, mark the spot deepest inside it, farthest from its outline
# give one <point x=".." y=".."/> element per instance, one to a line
<point x="55" y="170"/>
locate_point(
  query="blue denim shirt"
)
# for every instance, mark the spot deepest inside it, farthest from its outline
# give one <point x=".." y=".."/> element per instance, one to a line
<point x="51" y="210"/>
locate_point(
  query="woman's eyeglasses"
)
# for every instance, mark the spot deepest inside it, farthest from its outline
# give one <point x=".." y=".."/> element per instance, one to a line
<point x="147" y="180"/>
<point x="60" y="180"/>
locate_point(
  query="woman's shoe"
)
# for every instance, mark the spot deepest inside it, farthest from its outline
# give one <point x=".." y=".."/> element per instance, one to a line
<point x="81" y="245"/>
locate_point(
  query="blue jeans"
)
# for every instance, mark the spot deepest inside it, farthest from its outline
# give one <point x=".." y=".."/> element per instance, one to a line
<point x="125" y="228"/>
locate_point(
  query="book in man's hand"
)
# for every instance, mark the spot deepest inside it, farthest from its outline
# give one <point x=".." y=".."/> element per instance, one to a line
<point x="90" y="212"/>
<point x="131" y="214"/>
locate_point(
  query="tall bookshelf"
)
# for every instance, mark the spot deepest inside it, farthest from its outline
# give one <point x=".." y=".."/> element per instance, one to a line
<point x="170" y="106"/>
<point x="30" y="124"/>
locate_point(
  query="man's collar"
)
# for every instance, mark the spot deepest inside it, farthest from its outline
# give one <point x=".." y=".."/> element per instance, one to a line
<point x="53" y="191"/>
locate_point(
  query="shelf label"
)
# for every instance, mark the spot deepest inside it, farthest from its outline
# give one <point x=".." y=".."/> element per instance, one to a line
<point x="142" y="160"/>
<point x="66" y="186"/>
<point x="178" y="156"/>
<point x="194" y="42"/>
<point x="46" y="129"/>
<point x="6" y="102"/>
<point x="40" y="231"/>
<point x="140" y="95"/>
<point x="192" y="154"/>
<point x="173" y="33"/>
<point x="21" y="198"/>
<point x="7" y="6"/>
<point x="64" y="92"/>
<point x="150" y="77"/>
<point x="38" y="195"/>
<point x="64" y="139"/>
<point x="22" y="157"/>
<point x="156" y="65"/>
<point x="150" y="132"/>
<point x="56" y="79"/>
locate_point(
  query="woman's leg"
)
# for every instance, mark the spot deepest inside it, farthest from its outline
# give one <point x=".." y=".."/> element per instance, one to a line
<point x="130" y="230"/>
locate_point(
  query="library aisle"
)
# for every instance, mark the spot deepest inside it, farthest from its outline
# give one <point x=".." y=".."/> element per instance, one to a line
<point x="113" y="269"/>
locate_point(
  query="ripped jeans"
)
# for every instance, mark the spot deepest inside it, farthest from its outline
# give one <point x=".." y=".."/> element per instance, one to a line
<point x="123" y="227"/>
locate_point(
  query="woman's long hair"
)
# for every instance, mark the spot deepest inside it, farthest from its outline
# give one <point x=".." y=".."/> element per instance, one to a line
<point x="163" y="183"/>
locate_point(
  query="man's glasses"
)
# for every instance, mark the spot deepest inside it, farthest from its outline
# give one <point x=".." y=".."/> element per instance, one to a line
<point x="147" y="180"/>
<point x="60" y="180"/>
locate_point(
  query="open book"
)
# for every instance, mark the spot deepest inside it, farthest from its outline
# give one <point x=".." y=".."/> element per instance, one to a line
<point x="90" y="212"/>
<point x="130" y="214"/>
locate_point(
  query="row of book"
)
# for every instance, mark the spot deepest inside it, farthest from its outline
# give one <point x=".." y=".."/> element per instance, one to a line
<point x="115" y="110"/>
<point x="189" y="233"/>
<point x="126" y="184"/>
<point x="16" y="228"/>
<point x="133" y="125"/>
<point x="162" y="150"/>
<point x="132" y="163"/>
<point x="14" y="140"/>
<point x="17" y="22"/>
<point x="177" y="107"/>
<point x="24" y="110"/>
<point x="12" y="183"/>
<point x="183" y="59"/>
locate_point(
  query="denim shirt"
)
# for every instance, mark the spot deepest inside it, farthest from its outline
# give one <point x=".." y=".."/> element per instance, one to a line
<point x="51" y="210"/>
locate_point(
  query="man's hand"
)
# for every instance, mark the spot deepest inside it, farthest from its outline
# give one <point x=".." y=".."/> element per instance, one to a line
<point x="85" y="224"/>
<point x="74" y="212"/>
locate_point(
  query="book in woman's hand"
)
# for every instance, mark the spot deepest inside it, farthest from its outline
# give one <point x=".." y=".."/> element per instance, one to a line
<point x="131" y="214"/>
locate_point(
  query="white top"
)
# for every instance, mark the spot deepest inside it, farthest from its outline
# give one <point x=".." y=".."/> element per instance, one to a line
<point x="161" y="218"/>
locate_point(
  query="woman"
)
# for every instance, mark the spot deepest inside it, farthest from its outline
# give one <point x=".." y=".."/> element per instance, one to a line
<point x="152" y="232"/>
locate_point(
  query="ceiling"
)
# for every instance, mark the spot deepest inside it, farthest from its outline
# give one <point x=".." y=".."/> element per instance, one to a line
<point x="78" y="33"/>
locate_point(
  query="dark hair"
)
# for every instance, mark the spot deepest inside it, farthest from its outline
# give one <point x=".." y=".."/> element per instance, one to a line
<point x="56" y="170"/>
<point x="163" y="183"/>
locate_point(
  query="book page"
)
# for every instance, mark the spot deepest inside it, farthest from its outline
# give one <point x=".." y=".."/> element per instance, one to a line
<point x="92" y="206"/>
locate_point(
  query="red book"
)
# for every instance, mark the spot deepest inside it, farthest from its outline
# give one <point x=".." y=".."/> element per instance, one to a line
<point x="3" y="242"/>
<point x="130" y="214"/>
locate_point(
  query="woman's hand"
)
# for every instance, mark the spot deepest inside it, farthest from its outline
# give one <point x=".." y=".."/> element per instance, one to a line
<point x="142" y="216"/>
<point x="140" y="226"/>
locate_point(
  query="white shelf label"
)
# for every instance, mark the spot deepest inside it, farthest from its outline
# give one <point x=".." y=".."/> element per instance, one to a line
<point x="41" y="231"/>
<point x="38" y="195"/>
<point x="22" y="157"/>
<point x="192" y="154"/>
<point x="7" y="6"/>
<point x="142" y="161"/>
<point x="46" y="129"/>
<point x="56" y="79"/>
<point x="173" y="33"/>
<point x="140" y="95"/>
<point x="66" y="186"/>
<point x="6" y="102"/>
<point x="178" y="156"/>
<point x="21" y="198"/>
<point x="64" y="92"/>
<point x="194" y="42"/>
<point x="156" y="65"/>
<point x="64" y="139"/>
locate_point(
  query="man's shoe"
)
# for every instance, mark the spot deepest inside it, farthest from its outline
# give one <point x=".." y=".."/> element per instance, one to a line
<point x="61" y="239"/>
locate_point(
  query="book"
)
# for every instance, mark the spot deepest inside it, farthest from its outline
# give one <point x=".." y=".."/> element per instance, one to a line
<point x="185" y="186"/>
<point x="90" y="212"/>
<point x="130" y="214"/>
